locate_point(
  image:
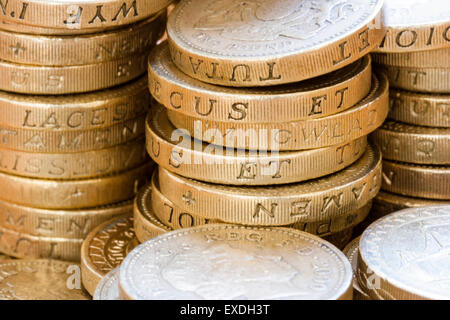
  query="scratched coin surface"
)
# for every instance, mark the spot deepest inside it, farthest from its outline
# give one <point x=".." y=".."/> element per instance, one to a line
<point x="105" y="248"/>
<point x="108" y="288"/>
<point x="263" y="42"/>
<point x="39" y="280"/>
<point x="405" y="255"/>
<point x="234" y="262"/>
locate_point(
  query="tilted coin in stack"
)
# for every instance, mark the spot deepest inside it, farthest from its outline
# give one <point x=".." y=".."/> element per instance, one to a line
<point x="281" y="264"/>
<point x="404" y="255"/>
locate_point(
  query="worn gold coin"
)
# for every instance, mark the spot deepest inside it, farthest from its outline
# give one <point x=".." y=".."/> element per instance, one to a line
<point x="75" y="224"/>
<point x="310" y="201"/>
<point x="82" y="15"/>
<point x="84" y="49"/>
<point x="73" y="194"/>
<point x="105" y="248"/>
<point x="413" y="144"/>
<point x="429" y="182"/>
<point x="423" y="59"/>
<point x="431" y="110"/>
<point x="72" y="141"/>
<point x="69" y="166"/>
<point x="25" y="246"/>
<point x="263" y="43"/>
<point x="45" y="80"/>
<point x="415" y="25"/>
<point x="40" y="280"/>
<point x="351" y="251"/>
<point x="280" y="263"/>
<point x="75" y="112"/>
<point x="431" y="80"/>
<point x="108" y="287"/>
<point x="177" y="152"/>
<point x="315" y="98"/>
<point x="404" y="255"/>
<point x="343" y="127"/>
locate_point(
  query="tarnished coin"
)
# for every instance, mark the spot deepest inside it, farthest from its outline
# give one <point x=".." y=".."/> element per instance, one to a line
<point x="262" y="43"/>
<point x="178" y="152"/>
<point x="105" y="248"/>
<point x="311" y="201"/>
<point x="351" y="251"/>
<point x="430" y="110"/>
<point x="405" y="255"/>
<point x="315" y="98"/>
<point x="40" y="280"/>
<point x="233" y="262"/>
<point x="413" y="144"/>
<point x="415" y="25"/>
<point x="423" y="59"/>
<point x="108" y="288"/>
<point x="80" y="15"/>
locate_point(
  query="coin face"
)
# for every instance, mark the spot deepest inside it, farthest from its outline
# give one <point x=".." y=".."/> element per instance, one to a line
<point x="234" y="262"/>
<point x="39" y="280"/>
<point x="408" y="251"/>
<point x="108" y="288"/>
<point x="398" y="13"/>
<point x="223" y="41"/>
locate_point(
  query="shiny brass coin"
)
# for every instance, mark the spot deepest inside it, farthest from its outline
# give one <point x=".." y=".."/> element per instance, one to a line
<point x="405" y="256"/>
<point x="280" y="263"/>
<point x="423" y="59"/>
<point x="429" y="182"/>
<point x="81" y="50"/>
<point x="431" y="110"/>
<point x="432" y="80"/>
<point x="315" y="98"/>
<point x="74" y="194"/>
<point x="386" y="203"/>
<point x="415" y="25"/>
<point x="72" y="141"/>
<point x="262" y="43"/>
<point x="73" y="224"/>
<point x="108" y="288"/>
<point x="340" y="128"/>
<point x="177" y="152"/>
<point x="75" y="112"/>
<point x="351" y="251"/>
<point x="311" y="201"/>
<point x="83" y="15"/>
<point x="413" y="144"/>
<point x="25" y="246"/>
<point x="40" y="280"/>
<point x="105" y="248"/>
<point x="69" y="166"/>
<point x="31" y="79"/>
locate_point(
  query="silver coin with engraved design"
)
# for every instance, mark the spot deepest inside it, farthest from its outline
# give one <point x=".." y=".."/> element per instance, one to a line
<point x="108" y="288"/>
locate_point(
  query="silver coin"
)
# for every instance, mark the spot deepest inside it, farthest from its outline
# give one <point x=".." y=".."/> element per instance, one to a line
<point x="108" y="288"/>
<point x="351" y="251"/>
<point x="406" y="13"/>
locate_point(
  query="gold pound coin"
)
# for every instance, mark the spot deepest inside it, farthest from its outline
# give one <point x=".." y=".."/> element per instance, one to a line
<point x="415" y="25"/>
<point x="105" y="248"/>
<point x="79" y="15"/>
<point x="40" y="280"/>
<point x="81" y="50"/>
<point x="70" y="166"/>
<point x="351" y="251"/>
<point x="25" y="246"/>
<point x="262" y="43"/>
<point x="280" y="263"/>
<point x="431" y="80"/>
<point x="45" y="80"/>
<point x="177" y="152"/>
<point x="315" y="98"/>
<point x="429" y="182"/>
<point x="310" y="201"/>
<point x="430" y="110"/>
<point x="74" y="224"/>
<point x="423" y="59"/>
<point x="74" y="194"/>
<point x="349" y="125"/>
<point x="404" y="255"/>
<point x="413" y="144"/>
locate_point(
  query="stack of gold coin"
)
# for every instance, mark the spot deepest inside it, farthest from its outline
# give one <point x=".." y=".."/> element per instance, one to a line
<point x="73" y="100"/>
<point x="415" y="141"/>
<point x="263" y="118"/>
